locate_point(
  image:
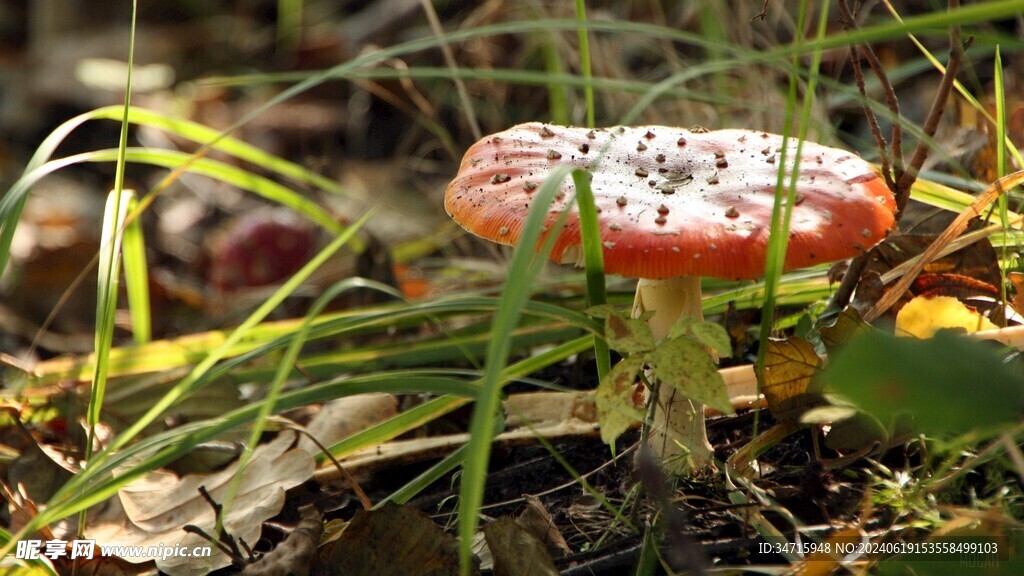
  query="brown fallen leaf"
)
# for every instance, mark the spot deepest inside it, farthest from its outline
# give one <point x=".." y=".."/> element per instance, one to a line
<point x="393" y="540"/>
<point x="294" y="556"/>
<point x="345" y="416"/>
<point x="158" y="505"/>
<point x="1017" y="302"/>
<point x="536" y="520"/>
<point x="976" y="267"/>
<point x="955" y="229"/>
<point x="954" y="285"/>
<point x="516" y="551"/>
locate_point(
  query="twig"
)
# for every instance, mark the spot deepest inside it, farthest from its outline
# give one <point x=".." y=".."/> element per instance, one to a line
<point x="237" y="560"/>
<point x="223" y="536"/>
<point x="363" y="498"/>
<point x="906" y="177"/>
<point x="876" y="130"/>
<point x="460" y="86"/>
<point x="868" y="53"/>
<point x="763" y="13"/>
<point x="931" y="125"/>
<point x="848" y="284"/>
<point x="896" y="150"/>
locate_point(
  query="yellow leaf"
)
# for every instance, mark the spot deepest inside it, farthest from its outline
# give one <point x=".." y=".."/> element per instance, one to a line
<point x="923" y="316"/>
<point x="788" y="368"/>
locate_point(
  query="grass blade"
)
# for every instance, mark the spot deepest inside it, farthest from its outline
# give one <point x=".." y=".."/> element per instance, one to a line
<point x="136" y="277"/>
<point x="238" y="177"/>
<point x="593" y="256"/>
<point x="584" y="51"/>
<point x="776" y="252"/>
<point x="114" y="216"/>
<point x="525" y="265"/>
<point x="1004" y="202"/>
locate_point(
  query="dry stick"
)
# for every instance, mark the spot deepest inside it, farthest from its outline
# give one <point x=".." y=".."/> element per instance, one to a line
<point x="364" y="500"/>
<point x="844" y="292"/>
<point x="906" y="180"/>
<point x="853" y="272"/>
<point x="956" y="53"/>
<point x="876" y="130"/>
<point x="449" y="59"/>
<point x="868" y="53"/>
<point x="763" y="13"/>
<point x="891" y="100"/>
<point x="896" y="148"/>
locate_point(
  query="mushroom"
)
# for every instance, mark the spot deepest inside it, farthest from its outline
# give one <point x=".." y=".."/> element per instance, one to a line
<point x="674" y="205"/>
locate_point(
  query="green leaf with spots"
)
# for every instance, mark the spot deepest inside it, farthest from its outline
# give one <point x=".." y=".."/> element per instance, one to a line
<point x="685" y="365"/>
<point x="710" y="334"/>
<point x="628" y="335"/>
<point x="602" y="311"/>
<point x="614" y="399"/>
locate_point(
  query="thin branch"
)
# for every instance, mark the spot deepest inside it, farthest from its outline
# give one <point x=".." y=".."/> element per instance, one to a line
<point x="906" y="180"/>
<point x="763" y="13"/>
<point x="876" y="130"/>
<point x="894" y="107"/>
<point x="851" y="278"/>
<point x="363" y="498"/>
<point x="868" y="53"/>
<point x="931" y="125"/>
<point x="449" y="58"/>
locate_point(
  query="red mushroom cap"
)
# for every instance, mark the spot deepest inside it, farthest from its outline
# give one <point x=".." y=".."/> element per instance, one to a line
<point x="674" y="202"/>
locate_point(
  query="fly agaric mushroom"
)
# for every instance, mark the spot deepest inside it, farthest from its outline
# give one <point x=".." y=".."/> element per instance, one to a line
<point x="674" y="205"/>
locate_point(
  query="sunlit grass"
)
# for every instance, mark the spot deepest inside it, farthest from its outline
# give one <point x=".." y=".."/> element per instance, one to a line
<point x="504" y="331"/>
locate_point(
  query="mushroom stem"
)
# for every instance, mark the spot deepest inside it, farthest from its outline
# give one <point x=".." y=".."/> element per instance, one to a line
<point x="677" y="435"/>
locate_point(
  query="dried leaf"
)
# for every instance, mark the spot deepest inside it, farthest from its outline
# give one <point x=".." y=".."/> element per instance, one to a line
<point x="516" y="552"/>
<point x="536" y="520"/>
<point x="159" y="504"/>
<point x="1017" y="302"/>
<point x="339" y="418"/>
<point x="685" y="365"/>
<point x="614" y="399"/>
<point x="959" y="224"/>
<point x="396" y="540"/>
<point x="847" y="325"/>
<point x="977" y="261"/>
<point x="955" y="285"/>
<point x="789" y="366"/>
